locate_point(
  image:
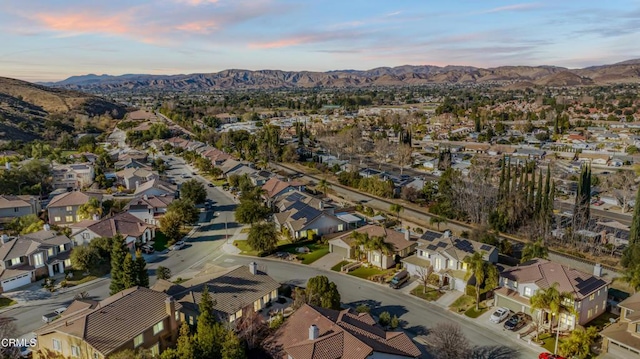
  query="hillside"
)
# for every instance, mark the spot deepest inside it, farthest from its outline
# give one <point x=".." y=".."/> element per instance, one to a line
<point x="27" y="110"/>
<point x="624" y="72"/>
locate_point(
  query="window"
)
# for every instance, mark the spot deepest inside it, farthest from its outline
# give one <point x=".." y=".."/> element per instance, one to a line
<point x="78" y="219"/>
<point x="177" y="316"/>
<point x="61" y="248"/>
<point x="239" y="314"/>
<point x="376" y="257"/>
<point x="68" y="218"/>
<point x="16" y="209"/>
<point x="95" y="355"/>
<point x="137" y="341"/>
<point x="57" y="345"/>
<point x="75" y="351"/>
<point x="528" y="292"/>
<point x="589" y="313"/>
<point x="38" y="260"/>
<point x="16" y="261"/>
<point x="515" y="285"/>
<point x="592" y="296"/>
<point x="155" y="350"/>
<point x="50" y="252"/>
<point x="190" y="319"/>
<point x="158" y="328"/>
<point x="85" y="235"/>
<point x="57" y="219"/>
<point x="637" y="328"/>
<point x="69" y="208"/>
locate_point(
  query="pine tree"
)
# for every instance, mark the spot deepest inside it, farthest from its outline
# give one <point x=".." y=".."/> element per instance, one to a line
<point x="129" y="273"/>
<point x="501" y="190"/>
<point x="119" y="252"/>
<point x="581" y="212"/>
<point x="539" y="194"/>
<point x="141" y="270"/>
<point x="232" y="347"/>
<point x="634" y="233"/>
<point x="532" y="194"/>
<point x="205" y="307"/>
<point x="508" y="180"/>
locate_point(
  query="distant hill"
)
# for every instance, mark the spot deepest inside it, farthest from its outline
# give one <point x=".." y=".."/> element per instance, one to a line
<point x="623" y="72"/>
<point x="25" y="108"/>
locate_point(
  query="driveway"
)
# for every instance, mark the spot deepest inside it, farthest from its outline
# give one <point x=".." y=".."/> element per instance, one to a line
<point x="327" y="261"/>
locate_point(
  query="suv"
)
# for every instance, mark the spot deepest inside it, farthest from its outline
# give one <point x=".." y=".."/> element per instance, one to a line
<point x="147" y="249"/>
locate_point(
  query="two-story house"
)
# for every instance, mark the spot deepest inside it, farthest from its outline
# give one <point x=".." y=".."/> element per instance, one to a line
<point x="131" y="178"/>
<point x="622" y="339"/>
<point x="235" y="292"/>
<point x="26" y="258"/>
<point x="135" y="318"/>
<point x="17" y="206"/>
<point x="401" y="243"/>
<point x="149" y="209"/>
<point x="303" y="220"/>
<point x="446" y="254"/>
<point x="589" y="291"/>
<point x="133" y="230"/>
<point x="275" y="187"/>
<point x="73" y="176"/>
<point x="156" y="187"/>
<point x="63" y="208"/>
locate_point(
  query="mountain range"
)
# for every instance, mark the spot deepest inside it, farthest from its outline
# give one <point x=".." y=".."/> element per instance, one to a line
<point x="529" y="76"/>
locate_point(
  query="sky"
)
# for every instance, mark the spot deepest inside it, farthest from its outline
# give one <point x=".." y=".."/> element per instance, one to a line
<point x="50" y="40"/>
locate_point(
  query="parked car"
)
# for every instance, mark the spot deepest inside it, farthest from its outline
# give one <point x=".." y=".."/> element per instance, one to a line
<point x="60" y="310"/>
<point x="147" y="249"/>
<point x="177" y="246"/>
<point x="399" y="279"/>
<point x="499" y="315"/>
<point x="516" y="321"/>
<point x="50" y="317"/>
<point x="550" y="356"/>
<point x="210" y="184"/>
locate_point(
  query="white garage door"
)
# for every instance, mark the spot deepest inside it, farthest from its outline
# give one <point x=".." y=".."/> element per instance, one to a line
<point x="16" y="282"/>
<point x="617" y="351"/>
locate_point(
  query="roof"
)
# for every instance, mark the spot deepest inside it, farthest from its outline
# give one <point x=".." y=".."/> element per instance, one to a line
<point x="341" y="334"/>
<point x="25" y="245"/>
<point x="633" y="302"/>
<point x="131" y="172"/>
<point x="161" y="201"/>
<point x="232" y="290"/>
<point x="545" y="273"/>
<point x="397" y="239"/>
<point x="10" y="201"/>
<point x="619" y="332"/>
<point x="122" y="223"/>
<point x="453" y="247"/>
<point x="116" y="320"/>
<point x="75" y="198"/>
<point x="274" y="186"/>
<point x="158" y="184"/>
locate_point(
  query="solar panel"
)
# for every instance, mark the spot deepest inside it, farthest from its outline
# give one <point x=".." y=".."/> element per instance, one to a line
<point x="442" y="244"/>
<point x="430" y="236"/>
<point x="295" y="196"/>
<point x="485" y="247"/>
<point x="431" y="247"/>
<point x="307" y="212"/>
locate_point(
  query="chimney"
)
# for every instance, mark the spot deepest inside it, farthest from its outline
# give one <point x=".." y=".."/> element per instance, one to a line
<point x="447" y="233"/>
<point x="145" y="197"/>
<point x="321" y="205"/>
<point x="96" y="217"/>
<point x="597" y="270"/>
<point x="5" y="238"/>
<point x="47" y="227"/>
<point x="314" y="332"/>
<point x="170" y="308"/>
<point x="253" y="268"/>
<point x="407" y="235"/>
<point x="137" y="184"/>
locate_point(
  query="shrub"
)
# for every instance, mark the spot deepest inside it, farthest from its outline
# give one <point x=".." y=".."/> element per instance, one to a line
<point x="276" y="321"/>
<point x="395" y="322"/>
<point x="363" y="308"/>
<point x="384" y="319"/>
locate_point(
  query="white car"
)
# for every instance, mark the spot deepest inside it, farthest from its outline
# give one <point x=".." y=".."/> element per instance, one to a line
<point x="499" y="315"/>
<point x="177" y="246"/>
<point x="60" y="310"/>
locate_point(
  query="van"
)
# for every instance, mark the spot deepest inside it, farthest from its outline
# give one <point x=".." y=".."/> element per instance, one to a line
<point x="399" y="279"/>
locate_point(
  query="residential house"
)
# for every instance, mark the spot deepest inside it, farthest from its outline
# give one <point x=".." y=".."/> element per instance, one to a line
<point x="229" y="166"/>
<point x="318" y="333"/>
<point x="17" y="206"/>
<point x="29" y="257"/>
<point x="129" y="163"/>
<point x="131" y="178"/>
<point x="133" y="230"/>
<point x="402" y="244"/>
<point x="73" y="176"/>
<point x="234" y="292"/>
<point x="135" y="318"/>
<point x="283" y="201"/>
<point x="589" y="291"/>
<point x="446" y="254"/>
<point x="241" y="171"/>
<point x="302" y="220"/>
<point x="63" y="208"/>
<point x="275" y="187"/>
<point x="156" y="187"/>
<point x="260" y="178"/>
<point x="622" y="339"/>
<point x="149" y="209"/>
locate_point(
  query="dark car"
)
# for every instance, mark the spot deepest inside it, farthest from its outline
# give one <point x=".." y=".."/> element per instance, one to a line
<point x="210" y="184"/>
<point x="514" y="323"/>
<point x="147" y="249"/>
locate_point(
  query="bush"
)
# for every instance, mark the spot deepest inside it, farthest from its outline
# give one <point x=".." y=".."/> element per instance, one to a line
<point x="163" y="272"/>
<point x="363" y="308"/>
<point x="276" y="322"/>
<point x="395" y="322"/>
<point x="384" y="319"/>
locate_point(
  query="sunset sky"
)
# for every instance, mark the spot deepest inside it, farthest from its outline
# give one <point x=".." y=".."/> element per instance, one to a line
<point x="46" y="40"/>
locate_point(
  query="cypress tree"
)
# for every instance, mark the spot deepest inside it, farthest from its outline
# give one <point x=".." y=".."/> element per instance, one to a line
<point x="634" y="233"/>
<point x="508" y="181"/>
<point x="539" y="193"/>
<point x="502" y="179"/>
<point x="532" y="193"/>
<point x="119" y="252"/>
<point x="142" y="275"/>
<point x="129" y="273"/>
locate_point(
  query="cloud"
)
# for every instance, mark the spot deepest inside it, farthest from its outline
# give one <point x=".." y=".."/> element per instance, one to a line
<point x="198" y="27"/>
<point x="514" y="7"/>
<point x="83" y="23"/>
<point x="197" y="2"/>
<point x="309" y="38"/>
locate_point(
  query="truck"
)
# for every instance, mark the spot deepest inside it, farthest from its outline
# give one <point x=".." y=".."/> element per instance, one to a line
<point x="399" y="279"/>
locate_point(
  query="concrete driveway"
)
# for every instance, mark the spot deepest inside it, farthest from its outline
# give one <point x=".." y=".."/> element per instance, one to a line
<point x="327" y="261"/>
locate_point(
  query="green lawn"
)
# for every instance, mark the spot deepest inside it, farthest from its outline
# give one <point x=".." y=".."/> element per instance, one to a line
<point x="366" y="272"/>
<point x="338" y="267"/>
<point x="472" y="313"/>
<point x="160" y="242"/>
<point x="5" y="302"/>
<point x="79" y="277"/>
<point x="430" y="295"/>
<point x="462" y="303"/>
<point x="318" y="250"/>
<point x="549" y="341"/>
<point x="247" y="250"/>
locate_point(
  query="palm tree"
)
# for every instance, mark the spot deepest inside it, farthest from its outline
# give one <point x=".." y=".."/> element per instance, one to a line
<point x="533" y="250"/>
<point x="436" y="220"/>
<point x="396" y="208"/>
<point x="90" y="208"/>
<point x="550" y="301"/>
<point x="359" y="243"/>
<point x="378" y="244"/>
<point x="324" y="186"/>
<point x="484" y="273"/>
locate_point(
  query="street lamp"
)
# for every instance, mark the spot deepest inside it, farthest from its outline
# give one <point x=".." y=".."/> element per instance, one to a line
<point x="225" y="225"/>
<point x="555" y="351"/>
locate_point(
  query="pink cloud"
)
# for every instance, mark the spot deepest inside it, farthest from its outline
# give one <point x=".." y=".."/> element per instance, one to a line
<point x="514" y="7"/>
<point x="198" y="27"/>
<point x="288" y="42"/>
<point x="84" y="23"/>
<point x="197" y="2"/>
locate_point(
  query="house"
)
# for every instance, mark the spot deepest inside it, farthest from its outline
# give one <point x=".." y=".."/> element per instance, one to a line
<point x="73" y="176"/>
<point x="260" y="178"/>
<point x="131" y="178"/>
<point x="302" y="220"/>
<point x="29" y="257"/>
<point x="133" y="230"/>
<point x="446" y="254"/>
<point x="131" y="319"/>
<point x="589" y="291"/>
<point x="149" y="209"/>
<point x="234" y="292"/>
<point x="275" y="187"/>
<point x="63" y="208"/>
<point x="622" y="339"/>
<point x="229" y="166"/>
<point x="17" y="206"/>
<point x="156" y="187"/>
<point x="129" y="163"/>
<point x="285" y="200"/>
<point x="319" y="333"/>
<point x="402" y="244"/>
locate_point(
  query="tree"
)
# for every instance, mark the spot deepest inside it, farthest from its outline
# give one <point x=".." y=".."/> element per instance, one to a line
<point x="378" y="244"/>
<point x="578" y="344"/>
<point x="581" y="212"/>
<point x="533" y="250"/>
<point x="83" y="257"/>
<point x="250" y="212"/>
<point x="549" y="301"/>
<point x="8" y="330"/>
<point x="384" y="319"/>
<point x="403" y="156"/>
<point x="132" y="354"/>
<point x="91" y="208"/>
<point x="395" y="322"/>
<point x="631" y="275"/>
<point x="322" y="293"/>
<point x="232" y="348"/>
<point x="130" y="275"/>
<point x="621" y="185"/>
<point x="324" y="186"/>
<point x="484" y="273"/>
<point x="437" y="220"/>
<point x="163" y="272"/>
<point x="119" y="252"/>
<point x="185" y="210"/>
<point x="263" y="237"/>
<point x="142" y="275"/>
<point x="423" y="276"/>
<point x="251" y="329"/>
<point x="209" y="333"/>
<point x="25" y="224"/>
<point x="396" y="208"/>
<point x="449" y="342"/>
<point x="194" y="191"/>
<point x="170" y="225"/>
<point x="185" y="347"/>
<point x="634" y="232"/>
<point x="359" y="243"/>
